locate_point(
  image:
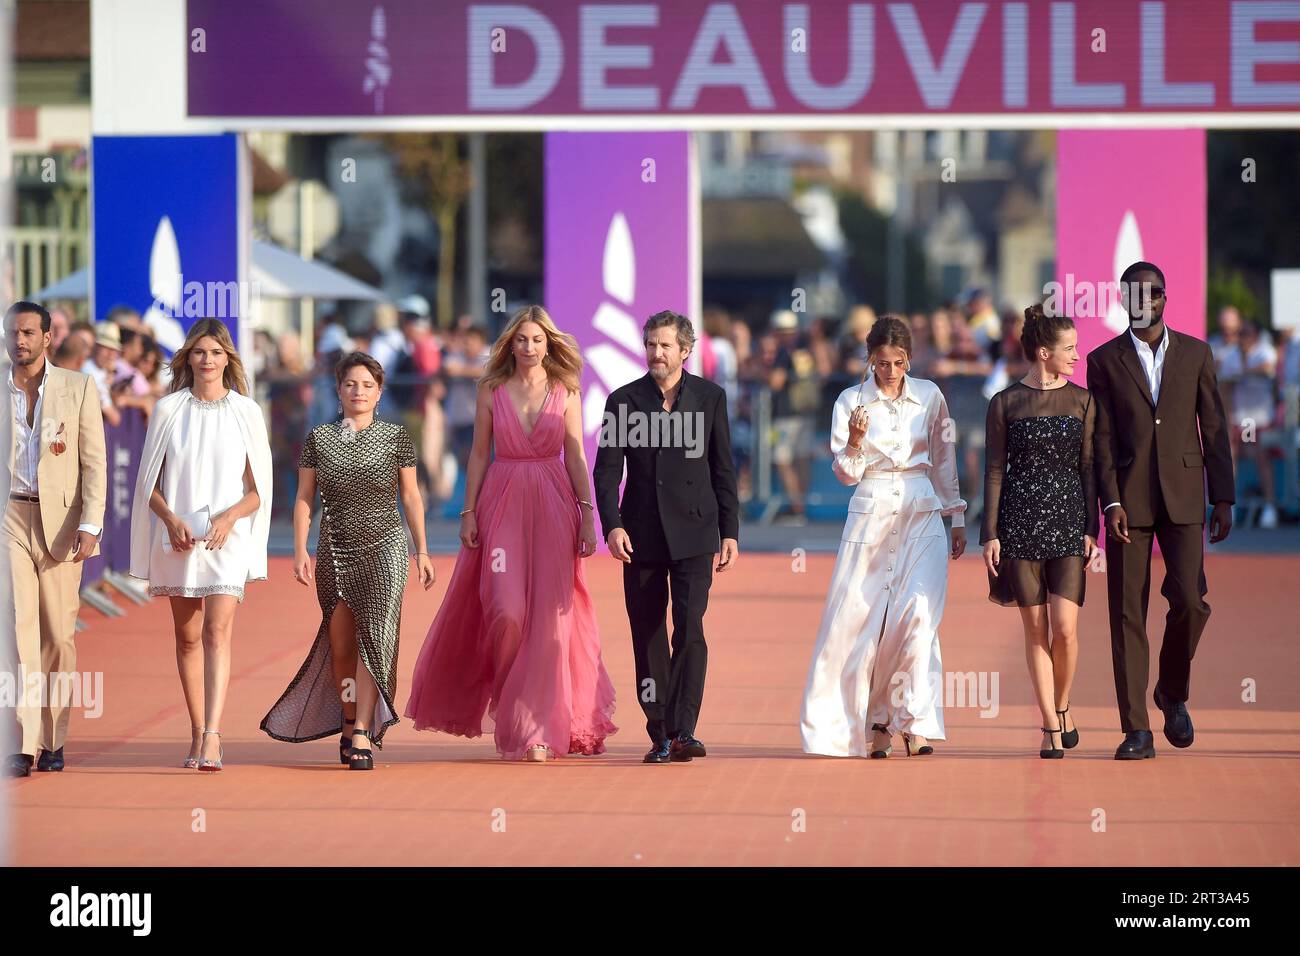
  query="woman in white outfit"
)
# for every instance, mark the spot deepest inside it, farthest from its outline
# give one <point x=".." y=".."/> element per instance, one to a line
<point x="201" y="517"/>
<point x="876" y="670"/>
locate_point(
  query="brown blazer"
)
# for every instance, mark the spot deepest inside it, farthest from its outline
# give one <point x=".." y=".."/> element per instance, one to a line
<point x="1145" y="450"/>
<point x="73" y="484"/>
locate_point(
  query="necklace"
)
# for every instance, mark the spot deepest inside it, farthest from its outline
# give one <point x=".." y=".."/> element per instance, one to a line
<point x="210" y="403"/>
<point x="1041" y="383"/>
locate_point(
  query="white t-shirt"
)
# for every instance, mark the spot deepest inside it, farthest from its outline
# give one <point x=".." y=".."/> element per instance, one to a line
<point x="1253" y="396"/>
<point x="101" y="381"/>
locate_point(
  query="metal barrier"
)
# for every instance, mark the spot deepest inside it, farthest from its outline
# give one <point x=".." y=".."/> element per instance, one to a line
<point x="1290" y="442"/>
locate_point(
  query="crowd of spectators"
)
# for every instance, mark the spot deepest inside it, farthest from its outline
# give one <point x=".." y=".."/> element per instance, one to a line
<point x="972" y="351"/>
<point x="800" y="368"/>
<point x="119" y="354"/>
<point x="784" y="378"/>
<point x="430" y="386"/>
<point x="1253" y="373"/>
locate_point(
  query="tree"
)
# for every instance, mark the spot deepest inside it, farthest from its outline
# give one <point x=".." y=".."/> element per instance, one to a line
<point x="433" y="163"/>
<point x="866" y="233"/>
<point x="1252" y="211"/>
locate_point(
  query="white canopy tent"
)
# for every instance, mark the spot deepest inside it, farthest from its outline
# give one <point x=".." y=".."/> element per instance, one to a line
<point x="276" y="273"/>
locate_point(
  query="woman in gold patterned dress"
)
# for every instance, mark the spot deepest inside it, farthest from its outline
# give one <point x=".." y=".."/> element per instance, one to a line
<point x="361" y="467"/>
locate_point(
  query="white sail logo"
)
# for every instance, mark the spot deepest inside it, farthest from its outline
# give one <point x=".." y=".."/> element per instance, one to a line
<point x="612" y="363"/>
<point x="379" y="68"/>
<point x="166" y="284"/>
<point x="1128" y="249"/>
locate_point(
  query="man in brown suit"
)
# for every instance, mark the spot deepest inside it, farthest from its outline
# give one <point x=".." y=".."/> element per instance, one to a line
<point x="53" y="519"/>
<point x="1161" y="434"/>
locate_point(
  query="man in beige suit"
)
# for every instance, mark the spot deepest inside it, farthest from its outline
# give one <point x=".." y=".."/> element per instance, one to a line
<point x="53" y="519"/>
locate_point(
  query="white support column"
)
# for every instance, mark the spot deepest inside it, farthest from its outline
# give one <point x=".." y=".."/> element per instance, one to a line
<point x="137" y="68"/>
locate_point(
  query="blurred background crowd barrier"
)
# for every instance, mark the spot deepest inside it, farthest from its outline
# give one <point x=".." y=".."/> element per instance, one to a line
<point x="365" y="195"/>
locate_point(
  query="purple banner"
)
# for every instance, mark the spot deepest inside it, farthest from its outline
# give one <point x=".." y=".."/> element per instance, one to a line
<point x="618" y="250"/>
<point x="759" y="57"/>
<point x="123" y="446"/>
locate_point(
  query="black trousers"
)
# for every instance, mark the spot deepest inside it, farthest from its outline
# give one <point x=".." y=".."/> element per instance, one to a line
<point x="1129" y="589"/>
<point x="670" y="686"/>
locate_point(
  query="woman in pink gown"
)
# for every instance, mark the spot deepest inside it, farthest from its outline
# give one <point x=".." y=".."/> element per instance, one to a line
<point x="516" y="636"/>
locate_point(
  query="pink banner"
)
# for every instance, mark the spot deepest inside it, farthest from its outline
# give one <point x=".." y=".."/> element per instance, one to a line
<point x="618" y="250"/>
<point x="1122" y="196"/>
<point x="758" y="57"/>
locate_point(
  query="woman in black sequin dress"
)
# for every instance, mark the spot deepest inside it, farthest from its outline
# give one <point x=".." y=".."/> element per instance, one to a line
<point x="361" y="467"/>
<point x="1040" y="512"/>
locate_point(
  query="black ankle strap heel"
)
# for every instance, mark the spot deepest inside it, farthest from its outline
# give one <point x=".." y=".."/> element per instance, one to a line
<point x="1053" y="753"/>
<point x="345" y="742"/>
<point x="1069" y="738"/>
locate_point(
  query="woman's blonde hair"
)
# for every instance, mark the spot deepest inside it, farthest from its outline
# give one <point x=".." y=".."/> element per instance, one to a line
<point x="563" y="359"/>
<point x="233" y="377"/>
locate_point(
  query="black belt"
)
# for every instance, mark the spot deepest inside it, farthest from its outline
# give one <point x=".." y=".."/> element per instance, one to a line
<point x="19" y="497"/>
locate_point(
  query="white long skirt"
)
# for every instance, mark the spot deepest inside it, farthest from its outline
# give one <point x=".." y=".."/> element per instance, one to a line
<point x="877" y="655"/>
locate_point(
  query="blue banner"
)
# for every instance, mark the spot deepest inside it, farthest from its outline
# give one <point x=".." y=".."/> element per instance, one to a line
<point x="167" y="214"/>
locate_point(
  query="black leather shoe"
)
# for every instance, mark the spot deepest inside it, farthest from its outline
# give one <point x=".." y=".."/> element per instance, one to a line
<point x="50" y="761"/>
<point x="658" y="753"/>
<point x="18" y="765"/>
<point x="1178" y="722"/>
<point x="685" y="747"/>
<point x="1137" y="745"/>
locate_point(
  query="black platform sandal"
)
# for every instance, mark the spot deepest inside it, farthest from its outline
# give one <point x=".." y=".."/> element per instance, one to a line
<point x="361" y="759"/>
<point x="1069" y="738"/>
<point x="345" y="743"/>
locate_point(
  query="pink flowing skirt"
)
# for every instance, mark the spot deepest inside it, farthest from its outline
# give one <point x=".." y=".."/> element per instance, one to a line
<point x="515" y="644"/>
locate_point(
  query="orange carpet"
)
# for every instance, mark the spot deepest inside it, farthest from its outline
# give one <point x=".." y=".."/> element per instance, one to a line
<point x="985" y="798"/>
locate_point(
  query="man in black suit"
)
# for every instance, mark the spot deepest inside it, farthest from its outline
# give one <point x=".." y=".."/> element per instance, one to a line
<point x="679" y="511"/>
<point x="1161" y="438"/>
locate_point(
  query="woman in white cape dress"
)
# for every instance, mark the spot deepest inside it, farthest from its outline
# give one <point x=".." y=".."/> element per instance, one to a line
<point x="876" y="669"/>
<point x="201" y="517"/>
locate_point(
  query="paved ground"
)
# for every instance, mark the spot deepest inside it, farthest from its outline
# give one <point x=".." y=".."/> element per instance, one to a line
<point x="985" y="798"/>
<point x="823" y="537"/>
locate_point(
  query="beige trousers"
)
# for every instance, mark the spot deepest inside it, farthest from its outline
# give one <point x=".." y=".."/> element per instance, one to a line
<point x="45" y="609"/>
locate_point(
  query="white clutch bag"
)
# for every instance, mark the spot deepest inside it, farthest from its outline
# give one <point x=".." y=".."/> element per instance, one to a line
<point x="199" y="522"/>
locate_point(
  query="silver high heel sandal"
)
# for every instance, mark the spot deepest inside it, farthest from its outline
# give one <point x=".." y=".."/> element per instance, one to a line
<point x="537" y="753"/>
<point x="213" y="765"/>
<point x="192" y="763"/>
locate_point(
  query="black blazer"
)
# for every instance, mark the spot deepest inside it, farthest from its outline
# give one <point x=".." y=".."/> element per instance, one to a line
<point x="1169" y="450"/>
<point x="674" y="505"/>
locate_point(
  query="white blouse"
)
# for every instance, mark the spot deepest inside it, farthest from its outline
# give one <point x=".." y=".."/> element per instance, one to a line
<point x="911" y="432"/>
